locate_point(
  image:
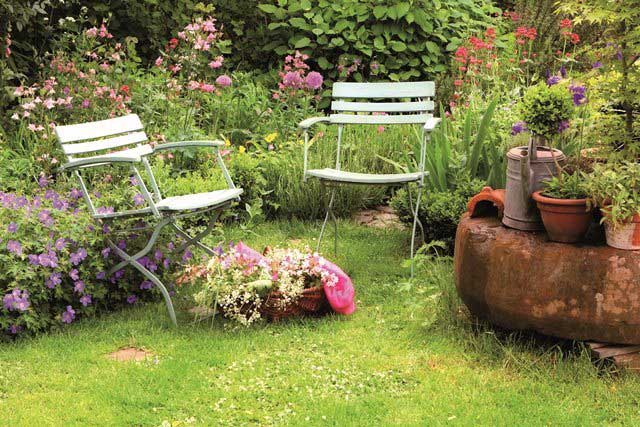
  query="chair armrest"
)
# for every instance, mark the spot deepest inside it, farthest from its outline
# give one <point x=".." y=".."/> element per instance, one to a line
<point x="307" y="123"/>
<point x="187" y="144"/>
<point x="432" y="123"/>
<point x="126" y="156"/>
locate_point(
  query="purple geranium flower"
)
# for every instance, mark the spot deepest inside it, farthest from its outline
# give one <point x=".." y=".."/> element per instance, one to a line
<point x="138" y="199"/>
<point x="60" y="244"/>
<point x="14" y="246"/>
<point x="17" y="300"/>
<point x="12" y="227"/>
<point x="68" y="315"/>
<point x="85" y="300"/>
<point x="105" y="252"/>
<point x="596" y="65"/>
<point x="101" y="275"/>
<point x="75" y="194"/>
<point x="45" y="217"/>
<point x="53" y="280"/>
<point x="187" y="255"/>
<point x="131" y="299"/>
<point x="14" y="329"/>
<point x="74" y="274"/>
<point x="147" y="284"/>
<point x="77" y="257"/>
<point x="78" y="287"/>
<point x="49" y="259"/>
<point x="43" y="181"/>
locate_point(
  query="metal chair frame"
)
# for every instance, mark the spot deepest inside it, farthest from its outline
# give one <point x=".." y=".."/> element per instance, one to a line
<point x="88" y="138"/>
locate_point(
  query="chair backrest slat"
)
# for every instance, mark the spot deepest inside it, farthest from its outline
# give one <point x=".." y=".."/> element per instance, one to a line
<point x="387" y="107"/>
<point x="104" y="144"/>
<point x="379" y="119"/>
<point x="98" y="129"/>
<point x="384" y="90"/>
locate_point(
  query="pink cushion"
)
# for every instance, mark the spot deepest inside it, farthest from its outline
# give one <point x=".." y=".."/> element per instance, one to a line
<point x="341" y="296"/>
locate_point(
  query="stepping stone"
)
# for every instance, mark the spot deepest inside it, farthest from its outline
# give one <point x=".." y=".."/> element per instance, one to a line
<point x="130" y="354"/>
<point x="380" y="217"/>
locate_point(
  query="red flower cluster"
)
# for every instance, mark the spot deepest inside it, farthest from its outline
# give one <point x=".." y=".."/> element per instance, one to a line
<point x="568" y="34"/>
<point x="523" y="33"/>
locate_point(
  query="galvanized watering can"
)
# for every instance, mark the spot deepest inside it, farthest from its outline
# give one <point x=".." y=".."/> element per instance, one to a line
<point x="527" y="168"/>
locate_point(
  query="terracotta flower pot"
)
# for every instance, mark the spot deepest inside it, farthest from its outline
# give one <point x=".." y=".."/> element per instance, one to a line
<point x="566" y="220"/>
<point x="624" y="236"/>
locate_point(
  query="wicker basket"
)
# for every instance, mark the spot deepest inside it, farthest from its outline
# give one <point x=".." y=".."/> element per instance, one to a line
<point x="312" y="301"/>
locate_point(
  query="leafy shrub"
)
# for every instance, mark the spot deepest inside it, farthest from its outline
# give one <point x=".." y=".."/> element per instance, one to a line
<point x="398" y="40"/>
<point x="440" y="211"/>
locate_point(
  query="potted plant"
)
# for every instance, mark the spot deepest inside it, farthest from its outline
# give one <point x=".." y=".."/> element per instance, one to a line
<point x="565" y="209"/>
<point x="615" y="188"/>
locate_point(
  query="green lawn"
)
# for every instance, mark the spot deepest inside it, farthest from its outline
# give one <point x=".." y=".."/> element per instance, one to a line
<point x="408" y="356"/>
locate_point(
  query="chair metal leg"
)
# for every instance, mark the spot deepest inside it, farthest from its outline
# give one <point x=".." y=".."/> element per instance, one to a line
<point x="416" y="221"/>
<point x="326" y="219"/>
<point x="195" y="240"/>
<point x="129" y="260"/>
<point x="152" y="240"/>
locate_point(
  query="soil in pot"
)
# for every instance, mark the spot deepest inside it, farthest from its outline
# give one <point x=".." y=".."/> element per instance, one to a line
<point x="624" y="236"/>
<point x="566" y="220"/>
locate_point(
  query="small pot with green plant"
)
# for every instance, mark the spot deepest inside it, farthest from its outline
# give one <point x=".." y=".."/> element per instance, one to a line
<point x="565" y="209"/>
<point x="615" y="188"/>
<point x="546" y="111"/>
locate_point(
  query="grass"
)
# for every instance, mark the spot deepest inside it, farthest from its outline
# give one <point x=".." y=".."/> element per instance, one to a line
<point x="409" y="356"/>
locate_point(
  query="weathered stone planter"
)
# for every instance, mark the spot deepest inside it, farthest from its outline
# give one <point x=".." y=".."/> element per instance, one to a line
<point x="521" y="280"/>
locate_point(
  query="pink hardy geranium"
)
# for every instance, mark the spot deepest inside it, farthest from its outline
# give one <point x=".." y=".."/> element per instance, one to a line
<point x="314" y="80"/>
<point x="223" y="81"/>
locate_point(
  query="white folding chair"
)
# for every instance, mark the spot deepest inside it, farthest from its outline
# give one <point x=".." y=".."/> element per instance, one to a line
<point x="88" y="139"/>
<point x="359" y="104"/>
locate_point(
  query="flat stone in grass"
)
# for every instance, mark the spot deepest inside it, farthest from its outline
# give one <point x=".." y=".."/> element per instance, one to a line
<point x="130" y="353"/>
<point x="380" y="217"/>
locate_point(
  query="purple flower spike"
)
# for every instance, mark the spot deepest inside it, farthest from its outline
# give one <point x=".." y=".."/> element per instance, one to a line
<point x="518" y="127"/>
<point x="552" y="80"/>
<point x="68" y="315"/>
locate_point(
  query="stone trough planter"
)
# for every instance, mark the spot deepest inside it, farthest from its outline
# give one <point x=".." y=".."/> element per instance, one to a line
<point x="521" y="280"/>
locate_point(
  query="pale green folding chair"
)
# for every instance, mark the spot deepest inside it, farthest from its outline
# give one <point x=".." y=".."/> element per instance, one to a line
<point x="375" y="104"/>
<point x="81" y="144"/>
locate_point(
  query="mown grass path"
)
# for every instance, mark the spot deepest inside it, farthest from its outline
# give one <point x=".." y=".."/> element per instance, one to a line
<point x="406" y="357"/>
